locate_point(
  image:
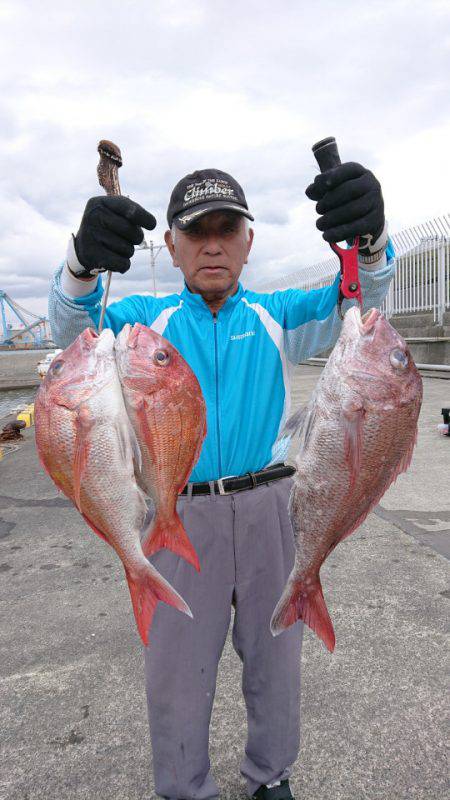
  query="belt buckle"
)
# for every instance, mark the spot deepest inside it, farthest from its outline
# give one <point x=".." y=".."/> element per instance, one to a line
<point x="222" y="489"/>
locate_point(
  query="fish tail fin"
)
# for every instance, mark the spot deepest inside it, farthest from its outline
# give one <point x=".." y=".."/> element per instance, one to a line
<point x="307" y="603"/>
<point x="170" y="533"/>
<point x="146" y="590"/>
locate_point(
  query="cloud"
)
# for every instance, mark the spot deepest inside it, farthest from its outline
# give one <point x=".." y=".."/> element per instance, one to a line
<point x="245" y="87"/>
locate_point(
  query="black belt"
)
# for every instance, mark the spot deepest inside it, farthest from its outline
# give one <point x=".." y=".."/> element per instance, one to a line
<point x="237" y="483"/>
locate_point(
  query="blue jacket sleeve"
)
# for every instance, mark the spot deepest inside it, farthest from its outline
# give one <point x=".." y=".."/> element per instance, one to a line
<point x="70" y="316"/>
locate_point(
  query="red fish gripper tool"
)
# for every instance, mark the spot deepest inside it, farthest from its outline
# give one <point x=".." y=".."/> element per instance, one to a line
<point x="349" y="286"/>
<point x="327" y="157"/>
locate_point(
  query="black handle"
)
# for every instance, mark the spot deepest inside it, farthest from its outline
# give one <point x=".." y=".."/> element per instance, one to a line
<point x="326" y="153"/>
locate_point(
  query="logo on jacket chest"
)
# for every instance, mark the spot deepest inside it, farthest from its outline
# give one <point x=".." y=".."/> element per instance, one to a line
<point x="238" y="336"/>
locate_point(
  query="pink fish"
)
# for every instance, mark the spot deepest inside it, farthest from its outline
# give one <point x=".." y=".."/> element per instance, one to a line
<point x="357" y="435"/>
<point x="87" y="446"/>
<point x="168" y="413"/>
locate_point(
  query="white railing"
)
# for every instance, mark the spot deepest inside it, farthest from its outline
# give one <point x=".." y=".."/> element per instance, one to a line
<point x="422" y="279"/>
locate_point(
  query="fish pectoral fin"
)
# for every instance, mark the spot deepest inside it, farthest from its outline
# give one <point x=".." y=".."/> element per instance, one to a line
<point x="295" y="421"/>
<point x="405" y="461"/>
<point x="83" y="425"/>
<point x="352" y="422"/>
<point x="128" y="443"/>
<point x="137" y="455"/>
<point x="306" y="602"/>
<point x="301" y="422"/>
<point x="144" y="409"/>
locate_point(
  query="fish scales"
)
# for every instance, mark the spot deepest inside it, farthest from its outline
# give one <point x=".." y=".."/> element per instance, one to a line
<point x="357" y="434"/>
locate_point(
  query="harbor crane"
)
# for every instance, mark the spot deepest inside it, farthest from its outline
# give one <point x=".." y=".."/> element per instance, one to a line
<point x="37" y="328"/>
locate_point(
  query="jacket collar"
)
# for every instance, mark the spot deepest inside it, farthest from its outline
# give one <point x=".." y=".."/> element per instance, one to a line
<point x="198" y="305"/>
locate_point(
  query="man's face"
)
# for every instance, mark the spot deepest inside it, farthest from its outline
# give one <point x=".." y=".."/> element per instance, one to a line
<point x="211" y="253"/>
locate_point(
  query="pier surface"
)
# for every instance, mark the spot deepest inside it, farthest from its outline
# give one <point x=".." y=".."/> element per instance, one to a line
<point x="18" y="368"/>
<point x="72" y="700"/>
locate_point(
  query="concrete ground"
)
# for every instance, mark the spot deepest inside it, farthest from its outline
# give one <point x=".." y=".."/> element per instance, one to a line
<point x="72" y="706"/>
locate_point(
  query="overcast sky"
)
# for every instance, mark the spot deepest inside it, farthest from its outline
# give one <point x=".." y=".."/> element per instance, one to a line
<point x="246" y="87"/>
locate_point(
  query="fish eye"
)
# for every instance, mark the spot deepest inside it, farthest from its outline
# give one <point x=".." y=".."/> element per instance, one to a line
<point x="56" y="367"/>
<point x="398" y="358"/>
<point x="161" y="357"/>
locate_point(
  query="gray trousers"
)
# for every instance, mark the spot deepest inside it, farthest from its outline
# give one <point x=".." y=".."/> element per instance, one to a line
<point x="245" y="545"/>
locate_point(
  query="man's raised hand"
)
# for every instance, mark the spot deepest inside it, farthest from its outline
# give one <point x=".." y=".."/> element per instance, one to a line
<point x="350" y="203"/>
<point x="110" y="229"/>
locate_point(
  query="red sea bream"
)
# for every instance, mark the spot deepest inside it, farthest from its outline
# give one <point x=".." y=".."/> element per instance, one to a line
<point x="168" y="413"/>
<point x="357" y="435"/>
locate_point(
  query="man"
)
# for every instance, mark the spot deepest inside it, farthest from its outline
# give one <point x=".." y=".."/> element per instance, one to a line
<point x="241" y="346"/>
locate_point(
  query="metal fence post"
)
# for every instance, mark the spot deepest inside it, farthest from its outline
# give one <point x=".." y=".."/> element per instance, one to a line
<point x="441" y="283"/>
<point x="390" y="300"/>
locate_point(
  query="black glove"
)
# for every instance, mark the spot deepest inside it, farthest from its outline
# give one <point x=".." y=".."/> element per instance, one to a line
<point x="109" y="230"/>
<point x="351" y="203"/>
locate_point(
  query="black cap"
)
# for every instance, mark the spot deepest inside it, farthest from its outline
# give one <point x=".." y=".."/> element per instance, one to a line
<point x="204" y="191"/>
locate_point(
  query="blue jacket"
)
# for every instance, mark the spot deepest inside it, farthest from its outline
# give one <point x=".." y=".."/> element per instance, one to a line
<point x="243" y="356"/>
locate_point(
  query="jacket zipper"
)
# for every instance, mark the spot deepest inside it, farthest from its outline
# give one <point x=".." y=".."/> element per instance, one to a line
<point x="217" y="394"/>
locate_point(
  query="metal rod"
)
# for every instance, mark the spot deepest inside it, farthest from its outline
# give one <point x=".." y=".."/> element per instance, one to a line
<point x="104" y="300"/>
<point x="152" y="262"/>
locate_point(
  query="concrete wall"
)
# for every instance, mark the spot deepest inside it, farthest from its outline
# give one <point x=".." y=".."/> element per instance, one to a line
<point x="422" y="325"/>
<point x="18" y="368"/>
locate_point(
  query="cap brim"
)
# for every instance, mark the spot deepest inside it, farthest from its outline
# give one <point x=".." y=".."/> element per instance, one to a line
<point x="186" y="218"/>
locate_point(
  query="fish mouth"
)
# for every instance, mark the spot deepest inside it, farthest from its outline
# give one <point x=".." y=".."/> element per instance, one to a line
<point x="142" y="334"/>
<point x="367" y="321"/>
<point x="89" y="335"/>
<point x="87" y="342"/>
